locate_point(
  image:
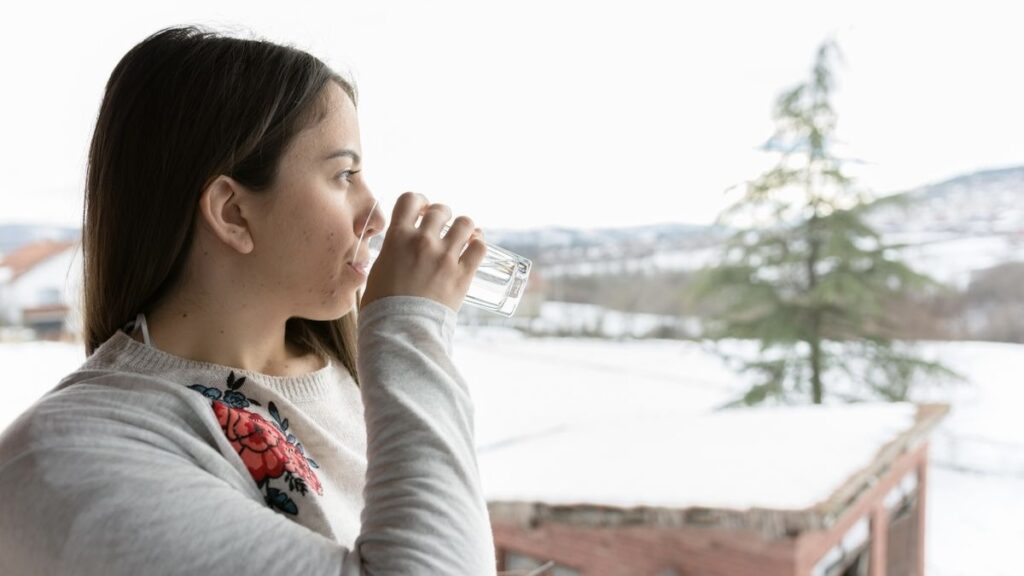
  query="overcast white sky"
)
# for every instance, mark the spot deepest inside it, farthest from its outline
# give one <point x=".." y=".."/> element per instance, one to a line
<point x="545" y="113"/>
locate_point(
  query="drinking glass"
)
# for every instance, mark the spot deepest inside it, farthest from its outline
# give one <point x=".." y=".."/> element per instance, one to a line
<point x="498" y="284"/>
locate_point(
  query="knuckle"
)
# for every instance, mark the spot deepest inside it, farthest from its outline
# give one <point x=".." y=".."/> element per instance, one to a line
<point x="464" y="221"/>
<point x="475" y="251"/>
<point x="407" y="201"/>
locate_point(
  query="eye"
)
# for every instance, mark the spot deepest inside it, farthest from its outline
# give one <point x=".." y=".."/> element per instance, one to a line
<point x="346" y="175"/>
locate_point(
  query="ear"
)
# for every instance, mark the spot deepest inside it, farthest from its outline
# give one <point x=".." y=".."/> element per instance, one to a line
<point x="225" y="207"/>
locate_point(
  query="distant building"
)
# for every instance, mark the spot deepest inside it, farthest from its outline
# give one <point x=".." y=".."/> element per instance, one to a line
<point x="39" y="288"/>
<point x="795" y="491"/>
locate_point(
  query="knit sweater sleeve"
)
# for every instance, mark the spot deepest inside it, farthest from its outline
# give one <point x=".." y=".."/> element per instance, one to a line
<point x="425" y="511"/>
<point x="124" y="474"/>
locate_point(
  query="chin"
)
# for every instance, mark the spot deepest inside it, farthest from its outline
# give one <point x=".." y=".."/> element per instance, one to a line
<point x="335" y="302"/>
<point x="345" y="305"/>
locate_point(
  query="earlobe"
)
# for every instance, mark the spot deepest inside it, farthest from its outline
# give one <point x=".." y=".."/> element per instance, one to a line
<point x="220" y="207"/>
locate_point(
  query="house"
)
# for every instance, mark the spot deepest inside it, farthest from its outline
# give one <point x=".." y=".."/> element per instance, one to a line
<point x="40" y="287"/>
<point x="834" y="490"/>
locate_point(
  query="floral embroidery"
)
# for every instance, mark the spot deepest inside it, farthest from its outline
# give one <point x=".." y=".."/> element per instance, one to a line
<point x="232" y="397"/>
<point x="268" y="450"/>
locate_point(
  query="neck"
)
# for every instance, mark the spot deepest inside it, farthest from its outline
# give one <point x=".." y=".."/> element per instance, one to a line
<point x="227" y="333"/>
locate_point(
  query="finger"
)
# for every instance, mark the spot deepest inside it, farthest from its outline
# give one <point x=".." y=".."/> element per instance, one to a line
<point x="474" y="254"/>
<point x="435" y="216"/>
<point x="459" y="233"/>
<point x="408" y="208"/>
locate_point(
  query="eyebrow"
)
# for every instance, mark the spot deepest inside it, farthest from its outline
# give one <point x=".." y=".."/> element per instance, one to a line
<point x="344" y="152"/>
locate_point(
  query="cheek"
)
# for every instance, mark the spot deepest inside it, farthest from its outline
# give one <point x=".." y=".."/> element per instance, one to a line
<point x="300" y="253"/>
<point x="315" y="244"/>
<point x="333" y="249"/>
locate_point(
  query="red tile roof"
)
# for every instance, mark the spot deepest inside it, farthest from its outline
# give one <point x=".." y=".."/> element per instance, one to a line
<point x="26" y="257"/>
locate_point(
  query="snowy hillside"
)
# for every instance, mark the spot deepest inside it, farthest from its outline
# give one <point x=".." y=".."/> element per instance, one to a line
<point x="958" y="226"/>
<point x="984" y="203"/>
<point x="955" y="227"/>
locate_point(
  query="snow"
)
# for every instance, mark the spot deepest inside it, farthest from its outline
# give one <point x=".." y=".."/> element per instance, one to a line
<point x="559" y="318"/>
<point x="660" y="260"/>
<point x="953" y="260"/>
<point x="569" y="391"/>
<point x="613" y="407"/>
<point x="973" y="523"/>
<point x="30" y="370"/>
<point x="739" y="459"/>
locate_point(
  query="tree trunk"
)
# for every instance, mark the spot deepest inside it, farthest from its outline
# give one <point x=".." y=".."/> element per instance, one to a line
<point x="814" y="336"/>
<point x="816" y="387"/>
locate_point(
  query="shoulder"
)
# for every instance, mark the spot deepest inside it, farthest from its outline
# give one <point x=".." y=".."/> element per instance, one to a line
<point x="109" y="406"/>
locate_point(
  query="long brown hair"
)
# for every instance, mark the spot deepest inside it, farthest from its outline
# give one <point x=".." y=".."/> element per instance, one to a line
<point x="181" y="107"/>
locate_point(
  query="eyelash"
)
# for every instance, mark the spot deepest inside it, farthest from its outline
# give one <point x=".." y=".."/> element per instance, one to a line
<point x="350" y="173"/>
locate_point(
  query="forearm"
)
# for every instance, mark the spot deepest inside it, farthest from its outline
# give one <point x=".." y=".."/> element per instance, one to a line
<point x="424" y="506"/>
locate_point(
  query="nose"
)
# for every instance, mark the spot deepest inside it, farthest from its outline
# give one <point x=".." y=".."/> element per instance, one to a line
<point x="374" y="222"/>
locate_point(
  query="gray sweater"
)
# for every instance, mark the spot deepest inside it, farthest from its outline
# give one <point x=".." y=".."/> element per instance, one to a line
<point x="141" y="462"/>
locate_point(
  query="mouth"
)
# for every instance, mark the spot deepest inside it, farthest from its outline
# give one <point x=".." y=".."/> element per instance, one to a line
<point x="361" y="267"/>
<point x="362" y="260"/>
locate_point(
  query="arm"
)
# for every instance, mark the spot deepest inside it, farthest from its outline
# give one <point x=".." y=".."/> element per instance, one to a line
<point x="425" y="512"/>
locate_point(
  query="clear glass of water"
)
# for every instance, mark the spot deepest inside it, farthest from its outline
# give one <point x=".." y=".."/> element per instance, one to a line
<point x="499" y="282"/>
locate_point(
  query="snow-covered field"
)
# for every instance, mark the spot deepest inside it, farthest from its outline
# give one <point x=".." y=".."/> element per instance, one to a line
<point x="529" y="387"/>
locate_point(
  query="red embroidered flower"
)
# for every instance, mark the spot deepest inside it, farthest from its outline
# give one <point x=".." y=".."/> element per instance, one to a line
<point x="267" y="453"/>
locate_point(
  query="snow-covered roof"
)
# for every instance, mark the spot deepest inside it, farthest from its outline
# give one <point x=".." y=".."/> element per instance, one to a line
<point x="619" y="426"/>
<point x="810" y="460"/>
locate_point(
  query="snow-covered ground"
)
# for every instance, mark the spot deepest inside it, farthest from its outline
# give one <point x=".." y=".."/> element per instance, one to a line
<point x="528" y="388"/>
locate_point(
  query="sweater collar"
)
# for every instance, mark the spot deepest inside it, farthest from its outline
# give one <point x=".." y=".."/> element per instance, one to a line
<point x="123" y="351"/>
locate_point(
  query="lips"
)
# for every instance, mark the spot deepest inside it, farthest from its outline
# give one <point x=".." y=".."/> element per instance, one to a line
<point x="362" y="268"/>
<point x="362" y="262"/>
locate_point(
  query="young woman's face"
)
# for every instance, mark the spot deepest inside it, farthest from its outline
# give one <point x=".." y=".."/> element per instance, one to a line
<point x="313" y="216"/>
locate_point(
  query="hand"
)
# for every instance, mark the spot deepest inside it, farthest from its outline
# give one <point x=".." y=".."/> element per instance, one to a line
<point x="418" y="261"/>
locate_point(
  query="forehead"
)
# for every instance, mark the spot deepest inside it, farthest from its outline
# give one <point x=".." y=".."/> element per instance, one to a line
<point x="338" y="126"/>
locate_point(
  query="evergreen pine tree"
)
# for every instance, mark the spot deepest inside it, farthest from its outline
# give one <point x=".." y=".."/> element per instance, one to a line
<point x="805" y="275"/>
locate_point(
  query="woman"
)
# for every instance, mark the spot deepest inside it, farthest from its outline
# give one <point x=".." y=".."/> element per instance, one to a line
<point x="225" y="420"/>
